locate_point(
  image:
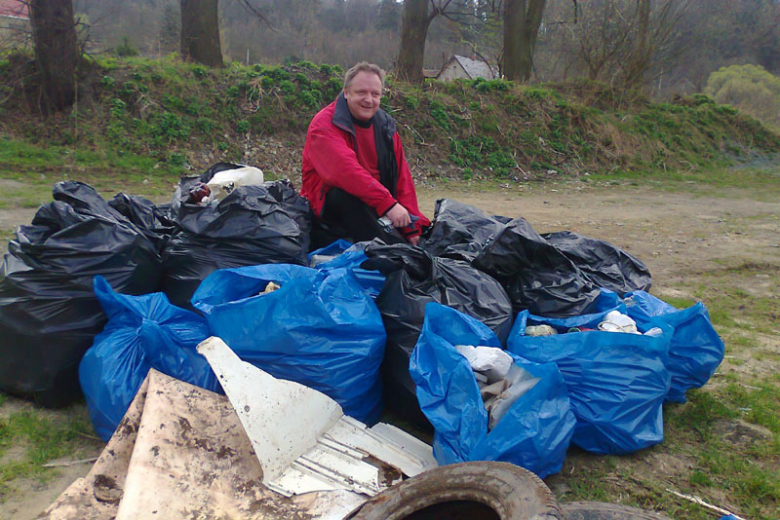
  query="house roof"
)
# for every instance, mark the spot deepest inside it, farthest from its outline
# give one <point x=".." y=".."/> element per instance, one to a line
<point x="14" y="9"/>
<point x="475" y="68"/>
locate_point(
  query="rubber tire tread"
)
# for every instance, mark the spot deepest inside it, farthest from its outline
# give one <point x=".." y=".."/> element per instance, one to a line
<point x="511" y="491"/>
<point x="606" y="511"/>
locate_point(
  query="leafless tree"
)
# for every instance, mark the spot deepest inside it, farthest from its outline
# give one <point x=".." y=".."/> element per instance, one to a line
<point x="621" y="41"/>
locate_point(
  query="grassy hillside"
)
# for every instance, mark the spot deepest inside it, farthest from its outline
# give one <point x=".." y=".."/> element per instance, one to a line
<point x="153" y="119"/>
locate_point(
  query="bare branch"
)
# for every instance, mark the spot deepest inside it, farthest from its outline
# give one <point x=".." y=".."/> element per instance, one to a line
<point x="255" y="11"/>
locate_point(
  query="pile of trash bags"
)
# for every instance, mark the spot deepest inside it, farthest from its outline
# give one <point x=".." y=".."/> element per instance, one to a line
<point x="558" y="274"/>
<point x="509" y="344"/>
<point x="253" y="224"/>
<point x="49" y="314"/>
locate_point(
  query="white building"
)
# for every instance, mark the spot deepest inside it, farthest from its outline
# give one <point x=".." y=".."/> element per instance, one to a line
<point x="460" y="67"/>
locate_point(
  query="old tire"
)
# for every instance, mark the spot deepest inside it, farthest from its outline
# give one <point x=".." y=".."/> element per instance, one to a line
<point x="605" y="511"/>
<point x="468" y="491"/>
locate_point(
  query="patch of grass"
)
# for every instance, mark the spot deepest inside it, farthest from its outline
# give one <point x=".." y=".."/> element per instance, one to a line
<point x="19" y="154"/>
<point x="710" y="180"/>
<point x="760" y="405"/>
<point x="699" y="415"/>
<point x="680" y="303"/>
<point x="731" y="305"/>
<point x="43" y="437"/>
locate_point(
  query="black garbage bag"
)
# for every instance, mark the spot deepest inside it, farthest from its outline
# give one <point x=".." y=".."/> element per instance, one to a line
<point x="265" y="224"/>
<point x="49" y="314"/>
<point x="415" y="278"/>
<point x="154" y="221"/>
<point x="537" y="276"/>
<point x="602" y="263"/>
<point x="459" y="230"/>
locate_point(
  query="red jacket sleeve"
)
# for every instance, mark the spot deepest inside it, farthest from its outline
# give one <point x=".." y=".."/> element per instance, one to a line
<point x="337" y="164"/>
<point x="405" y="192"/>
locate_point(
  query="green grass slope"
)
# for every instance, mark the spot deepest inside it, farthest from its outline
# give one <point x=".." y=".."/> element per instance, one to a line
<point x="138" y="116"/>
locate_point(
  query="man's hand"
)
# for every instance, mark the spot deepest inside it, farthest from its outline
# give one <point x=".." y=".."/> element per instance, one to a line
<point x="415" y="240"/>
<point x="399" y="216"/>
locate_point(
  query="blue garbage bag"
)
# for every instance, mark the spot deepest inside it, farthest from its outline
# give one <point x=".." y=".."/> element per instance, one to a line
<point x="319" y="329"/>
<point x="350" y="257"/>
<point x="696" y="350"/>
<point x="535" y="431"/>
<point x="606" y="301"/>
<point x="142" y="332"/>
<point x="617" y="381"/>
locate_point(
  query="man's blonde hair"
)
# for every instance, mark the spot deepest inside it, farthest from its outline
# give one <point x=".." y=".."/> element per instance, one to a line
<point x="363" y="66"/>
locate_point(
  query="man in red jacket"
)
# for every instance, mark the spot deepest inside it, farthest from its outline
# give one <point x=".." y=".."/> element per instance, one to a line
<point x="354" y="169"/>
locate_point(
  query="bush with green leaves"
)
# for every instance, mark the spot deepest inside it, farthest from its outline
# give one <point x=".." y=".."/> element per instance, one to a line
<point x="125" y="49"/>
<point x="749" y="88"/>
<point x="200" y="71"/>
<point x="439" y="114"/>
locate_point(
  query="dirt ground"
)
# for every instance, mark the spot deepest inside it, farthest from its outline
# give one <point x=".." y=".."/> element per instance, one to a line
<point x="676" y="233"/>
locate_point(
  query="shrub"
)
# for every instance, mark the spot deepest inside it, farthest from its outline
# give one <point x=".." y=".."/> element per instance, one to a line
<point x="118" y="108"/>
<point x="439" y="114"/>
<point x="749" y="88"/>
<point x="199" y="71"/>
<point x="124" y="49"/>
<point x="307" y="98"/>
<point x="107" y="82"/>
<point x="175" y="159"/>
<point x="488" y="85"/>
<point x="205" y="125"/>
<point x="287" y="87"/>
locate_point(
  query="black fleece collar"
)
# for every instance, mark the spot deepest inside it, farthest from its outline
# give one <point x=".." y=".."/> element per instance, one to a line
<point x="343" y="119"/>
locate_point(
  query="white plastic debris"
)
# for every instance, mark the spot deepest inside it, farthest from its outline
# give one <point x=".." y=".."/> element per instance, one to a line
<point x="493" y="362"/>
<point x="616" y="321"/>
<point x="302" y="438"/>
<point x="226" y="181"/>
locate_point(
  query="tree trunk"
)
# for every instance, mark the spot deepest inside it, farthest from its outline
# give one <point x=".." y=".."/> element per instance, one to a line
<point x="56" y="51"/>
<point x="639" y="60"/>
<point x="522" y="20"/>
<point x="414" y="30"/>
<point x="200" y="32"/>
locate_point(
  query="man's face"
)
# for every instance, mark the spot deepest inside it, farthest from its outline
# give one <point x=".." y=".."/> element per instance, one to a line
<point x="363" y="95"/>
